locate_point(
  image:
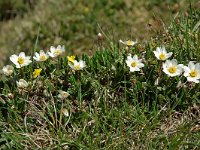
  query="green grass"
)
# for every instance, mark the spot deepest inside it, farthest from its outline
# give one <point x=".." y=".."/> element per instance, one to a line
<point x="109" y="107"/>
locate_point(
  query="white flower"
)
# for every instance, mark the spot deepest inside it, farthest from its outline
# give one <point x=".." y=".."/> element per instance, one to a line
<point x="134" y="63"/>
<point x="55" y="52"/>
<point x="10" y="95"/>
<point x="8" y="70"/>
<point x="65" y="112"/>
<point x="77" y="65"/>
<point x="161" y="53"/>
<point x="22" y="83"/>
<point x="171" y="68"/>
<point x="99" y="36"/>
<point x="192" y="72"/>
<point x="63" y="94"/>
<point x="42" y="56"/>
<point x="21" y="60"/>
<point x="128" y="43"/>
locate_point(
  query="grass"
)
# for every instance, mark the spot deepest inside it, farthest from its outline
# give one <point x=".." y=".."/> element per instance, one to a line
<point x="108" y="107"/>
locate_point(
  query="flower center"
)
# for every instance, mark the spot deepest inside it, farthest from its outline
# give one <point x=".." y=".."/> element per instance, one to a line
<point x="57" y="52"/>
<point x="20" y="60"/>
<point x="162" y="56"/>
<point x="78" y="67"/>
<point x="172" y="69"/>
<point x="133" y="64"/>
<point x="9" y="70"/>
<point x="193" y="73"/>
<point x="42" y="57"/>
<point x="129" y="43"/>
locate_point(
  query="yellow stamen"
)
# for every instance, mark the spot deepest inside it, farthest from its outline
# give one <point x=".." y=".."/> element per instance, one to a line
<point x="133" y="64"/>
<point x="193" y="73"/>
<point x="162" y="56"/>
<point x="172" y="69"/>
<point x="77" y="67"/>
<point x="71" y="58"/>
<point x="36" y="73"/>
<point x="129" y="43"/>
<point x="57" y="52"/>
<point x="42" y="57"/>
<point x="20" y="60"/>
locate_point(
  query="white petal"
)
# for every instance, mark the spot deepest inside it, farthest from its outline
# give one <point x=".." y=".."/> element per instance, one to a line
<point x="186" y="70"/>
<point x="63" y="49"/>
<point x="191" y="65"/>
<point x="165" y="70"/>
<point x="197" y="67"/>
<point x="158" y="49"/>
<point x="14" y="59"/>
<point x="71" y="66"/>
<point x="156" y="54"/>
<point x="27" y="58"/>
<point x="52" y="49"/>
<point x="174" y="62"/>
<point x="37" y="54"/>
<point x="22" y="54"/>
<point x="28" y="61"/>
<point x="198" y="75"/>
<point x="76" y="63"/>
<point x="59" y="47"/>
<point x="128" y="62"/>
<point x="129" y="57"/>
<point x="192" y="80"/>
<point x="82" y="63"/>
<point x="137" y="69"/>
<point x="122" y="42"/>
<point x="179" y="71"/>
<point x="18" y="66"/>
<point x="135" y="57"/>
<point x="163" y="50"/>
<point x="169" y="55"/>
<point x="36" y="58"/>
<point x="132" y="69"/>
<point x="51" y="54"/>
<point x="166" y="64"/>
<point x="140" y="65"/>
<point x="42" y="52"/>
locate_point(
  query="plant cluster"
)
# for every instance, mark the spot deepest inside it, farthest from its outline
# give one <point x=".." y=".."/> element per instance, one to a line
<point x="143" y="95"/>
<point x="50" y="82"/>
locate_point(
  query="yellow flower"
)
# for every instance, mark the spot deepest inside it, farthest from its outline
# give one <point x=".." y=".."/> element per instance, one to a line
<point x="36" y="72"/>
<point x="71" y="59"/>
